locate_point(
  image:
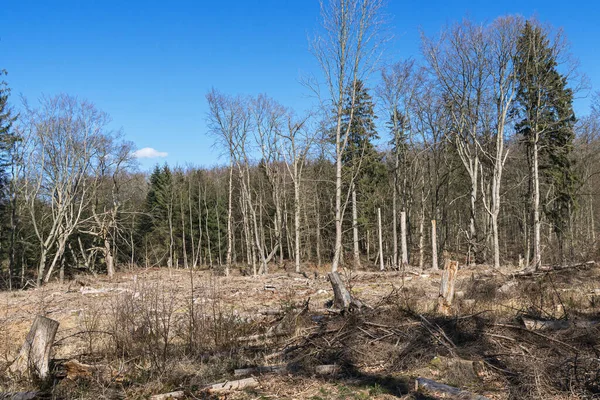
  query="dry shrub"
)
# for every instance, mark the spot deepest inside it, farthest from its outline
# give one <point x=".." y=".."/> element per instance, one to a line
<point x="158" y="329"/>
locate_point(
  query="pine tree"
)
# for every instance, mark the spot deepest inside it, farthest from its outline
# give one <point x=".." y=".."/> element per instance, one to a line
<point x="362" y="162"/>
<point x="8" y="216"/>
<point x="544" y="105"/>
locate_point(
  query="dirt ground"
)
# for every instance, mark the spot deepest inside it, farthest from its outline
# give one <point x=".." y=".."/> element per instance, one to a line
<point x="381" y="350"/>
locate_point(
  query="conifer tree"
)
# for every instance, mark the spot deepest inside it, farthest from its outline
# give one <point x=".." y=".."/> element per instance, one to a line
<point x="544" y="106"/>
<point x="361" y="160"/>
<point x="8" y="216"/>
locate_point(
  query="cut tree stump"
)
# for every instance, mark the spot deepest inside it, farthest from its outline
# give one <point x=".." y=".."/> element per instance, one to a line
<point x="35" y="352"/>
<point x="440" y="389"/>
<point x="342" y="298"/>
<point x="447" y="287"/>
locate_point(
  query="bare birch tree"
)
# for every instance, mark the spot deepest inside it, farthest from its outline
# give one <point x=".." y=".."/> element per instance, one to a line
<point x="347" y="52"/>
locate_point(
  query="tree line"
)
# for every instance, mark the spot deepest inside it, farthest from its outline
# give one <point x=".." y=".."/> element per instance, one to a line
<point x="472" y="150"/>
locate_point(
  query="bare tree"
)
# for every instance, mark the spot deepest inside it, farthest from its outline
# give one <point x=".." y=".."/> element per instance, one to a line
<point x="296" y="147"/>
<point x="60" y="148"/>
<point x="396" y="92"/>
<point x="458" y="62"/>
<point x="107" y="177"/>
<point x="347" y="52"/>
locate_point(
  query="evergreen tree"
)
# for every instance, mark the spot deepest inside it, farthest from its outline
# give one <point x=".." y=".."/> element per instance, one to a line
<point x="361" y="161"/>
<point x="8" y="217"/>
<point x="544" y="105"/>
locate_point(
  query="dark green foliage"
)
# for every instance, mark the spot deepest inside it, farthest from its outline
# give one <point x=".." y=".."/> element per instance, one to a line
<point x="544" y="105"/>
<point x="7" y="207"/>
<point x="361" y="159"/>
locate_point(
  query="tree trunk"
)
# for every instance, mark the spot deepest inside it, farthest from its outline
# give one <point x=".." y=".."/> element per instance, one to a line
<point x="447" y="286"/>
<point x="341" y="296"/>
<point x="537" y="249"/>
<point x="403" y="238"/>
<point x="434" y="249"/>
<point x="355" y="229"/>
<point x="381" y="262"/>
<point x="229" y="221"/>
<point x="183" y="241"/>
<point x="338" y="199"/>
<point x="35" y="352"/>
<point x="422" y="234"/>
<point x="318" y="237"/>
<point x="297" y="216"/>
<point x="108" y="257"/>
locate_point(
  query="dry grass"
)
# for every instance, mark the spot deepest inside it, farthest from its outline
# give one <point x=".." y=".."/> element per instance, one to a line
<point x="160" y="330"/>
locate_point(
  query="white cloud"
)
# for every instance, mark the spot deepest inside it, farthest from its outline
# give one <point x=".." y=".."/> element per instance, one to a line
<point x="149" y="152"/>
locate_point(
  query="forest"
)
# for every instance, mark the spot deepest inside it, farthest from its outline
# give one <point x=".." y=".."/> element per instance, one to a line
<point x="427" y="225"/>
<point x="478" y="137"/>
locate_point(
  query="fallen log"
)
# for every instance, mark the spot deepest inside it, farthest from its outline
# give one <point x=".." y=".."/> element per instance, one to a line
<point x="265" y="369"/>
<point x="246" y="383"/>
<point x="180" y="394"/>
<point x="534" y="324"/>
<point x="35" y="352"/>
<point x="262" y="336"/>
<point x="440" y="389"/>
<point x="328" y="369"/>
<point x="74" y="369"/>
<point x="20" y="396"/>
<point x="550" y="269"/>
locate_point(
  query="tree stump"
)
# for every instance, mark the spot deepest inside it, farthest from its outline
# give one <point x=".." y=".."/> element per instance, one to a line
<point x="35" y="352"/>
<point x="447" y="286"/>
<point x="342" y="298"/>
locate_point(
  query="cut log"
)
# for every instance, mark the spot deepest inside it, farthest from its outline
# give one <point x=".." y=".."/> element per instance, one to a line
<point x="341" y="296"/>
<point x="20" y="396"/>
<point x="447" y="287"/>
<point x="534" y="324"/>
<point x="527" y="273"/>
<point x="263" y="369"/>
<point x="35" y="352"/>
<point x="180" y="394"/>
<point x="262" y="336"/>
<point x="246" y="383"/>
<point x="439" y="389"/>
<point x="329" y="369"/>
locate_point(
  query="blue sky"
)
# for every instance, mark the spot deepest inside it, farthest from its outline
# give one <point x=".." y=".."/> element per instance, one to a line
<point x="149" y="64"/>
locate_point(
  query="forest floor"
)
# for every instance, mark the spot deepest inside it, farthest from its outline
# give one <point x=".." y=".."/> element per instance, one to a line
<point x="158" y="330"/>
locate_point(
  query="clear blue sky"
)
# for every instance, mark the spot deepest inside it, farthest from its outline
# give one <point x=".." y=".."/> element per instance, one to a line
<point x="150" y="63"/>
